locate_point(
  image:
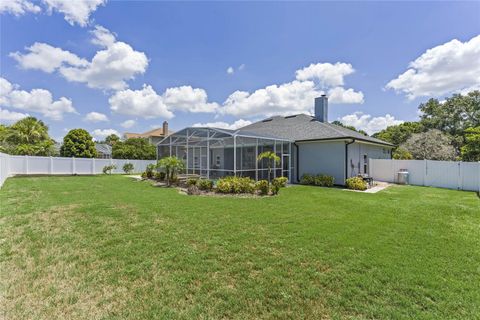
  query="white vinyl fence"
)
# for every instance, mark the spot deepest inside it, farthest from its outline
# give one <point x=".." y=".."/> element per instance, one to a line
<point x="442" y="174"/>
<point x="25" y="165"/>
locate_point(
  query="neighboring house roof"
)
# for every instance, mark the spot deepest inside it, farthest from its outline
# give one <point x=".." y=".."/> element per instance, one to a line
<point x="158" y="132"/>
<point x="302" y="127"/>
<point x="103" y="148"/>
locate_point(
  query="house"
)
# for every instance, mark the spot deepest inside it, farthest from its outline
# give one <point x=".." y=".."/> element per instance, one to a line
<point x="153" y="136"/>
<point x="104" y="151"/>
<point x="304" y="143"/>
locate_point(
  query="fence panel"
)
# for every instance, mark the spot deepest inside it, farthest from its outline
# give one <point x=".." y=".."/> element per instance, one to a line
<point x="15" y="165"/>
<point x="442" y="174"/>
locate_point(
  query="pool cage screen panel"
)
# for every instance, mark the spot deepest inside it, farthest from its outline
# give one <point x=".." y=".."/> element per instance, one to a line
<point x="215" y="153"/>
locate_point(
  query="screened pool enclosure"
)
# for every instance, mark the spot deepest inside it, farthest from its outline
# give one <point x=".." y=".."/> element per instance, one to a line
<point x="214" y="153"/>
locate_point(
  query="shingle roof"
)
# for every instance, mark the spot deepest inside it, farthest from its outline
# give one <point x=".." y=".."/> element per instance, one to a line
<point x="303" y="127"/>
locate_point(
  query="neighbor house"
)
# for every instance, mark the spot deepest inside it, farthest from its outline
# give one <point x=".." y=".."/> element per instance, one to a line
<point x="153" y="136"/>
<point x="304" y="143"/>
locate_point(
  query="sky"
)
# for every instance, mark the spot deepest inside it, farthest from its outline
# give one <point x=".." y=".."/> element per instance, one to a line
<point x="127" y="66"/>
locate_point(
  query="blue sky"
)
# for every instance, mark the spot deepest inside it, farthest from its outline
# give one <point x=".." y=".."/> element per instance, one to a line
<point x="358" y="53"/>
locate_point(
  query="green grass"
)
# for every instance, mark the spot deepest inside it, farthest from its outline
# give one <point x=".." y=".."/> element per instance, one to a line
<point x="107" y="247"/>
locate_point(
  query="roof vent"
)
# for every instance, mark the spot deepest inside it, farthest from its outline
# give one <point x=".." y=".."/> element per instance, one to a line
<point x="288" y="117"/>
<point x="267" y="120"/>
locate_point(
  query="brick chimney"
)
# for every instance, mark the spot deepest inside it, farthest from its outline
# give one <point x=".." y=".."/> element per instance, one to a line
<point x="165" y="128"/>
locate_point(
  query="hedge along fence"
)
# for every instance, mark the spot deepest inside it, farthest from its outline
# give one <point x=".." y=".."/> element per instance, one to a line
<point x="28" y="165"/>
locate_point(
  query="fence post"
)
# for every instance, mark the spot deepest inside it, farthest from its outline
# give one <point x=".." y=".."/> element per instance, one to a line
<point x="73" y="166"/>
<point x="425" y="173"/>
<point x="26" y="165"/>
<point x="51" y="165"/>
<point x="93" y="165"/>
<point x="478" y="164"/>
<point x="459" y="176"/>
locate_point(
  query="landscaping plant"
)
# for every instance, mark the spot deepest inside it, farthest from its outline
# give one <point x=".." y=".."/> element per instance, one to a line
<point x="282" y="181"/>
<point x="172" y="166"/>
<point x="356" y="183"/>
<point x="262" y="186"/>
<point x="149" y="170"/>
<point x="108" y="169"/>
<point x="160" y="176"/>
<point x="271" y="158"/>
<point x="128" y="167"/>
<point x="205" y="184"/>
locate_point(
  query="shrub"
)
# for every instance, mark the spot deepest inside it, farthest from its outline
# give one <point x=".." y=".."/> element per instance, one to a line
<point x="144" y="175"/>
<point x="108" y="169"/>
<point x="307" y="179"/>
<point x="205" y="184"/>
<point x="262" y="186"/>
<point x="128" y="167"/>
<point x="160" y="176"/>
<point x="192" y="182"/>
<point x="150" y="170"/>
<point x="235" y="185"/>
<point x="281" y="181"/>
<point x="323" y="180"/>
<point x="356" y="183"/>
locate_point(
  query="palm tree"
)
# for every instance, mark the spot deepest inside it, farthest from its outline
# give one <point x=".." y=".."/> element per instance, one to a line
<point x="29" y="136"/>
<point x="171" y="165"/>
<point x="271" y="158"/>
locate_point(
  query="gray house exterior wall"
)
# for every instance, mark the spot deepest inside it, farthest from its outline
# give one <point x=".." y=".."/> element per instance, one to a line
<point x="359" y="153"/>
<point x="322" y="157"/>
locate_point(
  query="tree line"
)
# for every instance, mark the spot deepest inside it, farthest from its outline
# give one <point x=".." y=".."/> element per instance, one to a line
<point x="29" y="136"/>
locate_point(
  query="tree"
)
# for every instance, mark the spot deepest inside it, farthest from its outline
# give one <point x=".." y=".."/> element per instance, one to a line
<point x="171" y="165"/>
<point x="134" y="148"/>
<point x="453" y="116"/>
<point x="402" y="154"/>
<point x="271" y="158"/>
<point x="112" y="139"/>
<point x="471" y="150"/>
<point x="433" y="145"/>
<point x="338" y="123"/>
<point x="28" y="136"/>
<point x="78" y="143"/>
<point x="400" y="133"/>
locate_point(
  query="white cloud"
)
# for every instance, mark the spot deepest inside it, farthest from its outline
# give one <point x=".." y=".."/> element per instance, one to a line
<point x="37" y="100"/>
<point x="230" y="70"/>
<point x="144" y="103"/>
<point x="18" y="7"/>
<point x="7" y="116"/>
<point x="44" y="57"/>
<point x="296" y="96"/>
<point x="448" y="68"/>
<point x="342" y="95"/>
<point x="75" y="11"/>
<point x="368" y="123"/>
<point x="241" y="67"/>
<point x="147" y="103"/>
<point x="186" y="98"/>
<point x="329" y="75"/>
<point x="224" y="125"/>
<point x="95" y="117"/>
<point x="110" y="68"/>
<point x="101" y="134"/>
<point x="128" y="123"/>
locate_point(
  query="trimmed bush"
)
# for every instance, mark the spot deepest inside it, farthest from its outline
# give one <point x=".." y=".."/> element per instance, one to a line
<point x="281" y="181"/>
<point x="128" y="167"/>
<point x="356" y="183"/>
<point x="262" y="186"/>
<point x="318" y="180"/>
<point x="205" y="184"/>
<point x="108" y="169"/>
<point x="323" y="180"/>
<point x="307" y="179"/>
<point x="144" y="175"/>
<point x="235" y="185"/>
<point x="192" y="182"/>
<point x="149" y="171"/>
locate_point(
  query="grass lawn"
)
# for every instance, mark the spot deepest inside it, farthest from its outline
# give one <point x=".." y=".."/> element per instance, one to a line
<point x="107" y="247"/>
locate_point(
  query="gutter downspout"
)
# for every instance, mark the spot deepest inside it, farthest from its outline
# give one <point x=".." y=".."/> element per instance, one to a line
<point x="297" y="162"/>
<point x="346" y="157"/>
